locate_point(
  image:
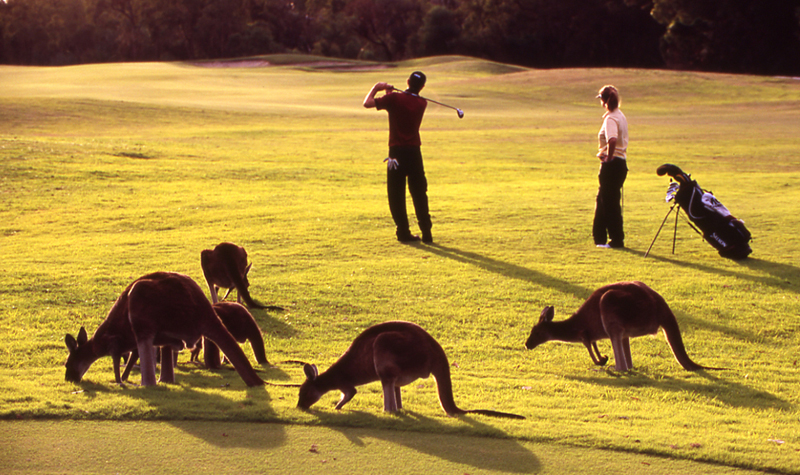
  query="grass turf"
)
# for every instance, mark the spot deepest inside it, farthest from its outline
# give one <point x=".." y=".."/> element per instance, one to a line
<point x="112" y="171"/>
<point x="247" y="447"/>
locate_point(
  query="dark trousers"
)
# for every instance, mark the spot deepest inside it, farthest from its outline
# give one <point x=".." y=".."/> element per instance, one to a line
<point x="608" y="211"/>
<point x="410" y="166"/>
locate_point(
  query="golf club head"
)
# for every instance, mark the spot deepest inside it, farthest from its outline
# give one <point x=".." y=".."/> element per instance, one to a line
<point x="460" y="113"/>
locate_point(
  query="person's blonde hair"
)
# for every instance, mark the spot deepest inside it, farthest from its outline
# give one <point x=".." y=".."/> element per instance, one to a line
<point x="610" y="96"/>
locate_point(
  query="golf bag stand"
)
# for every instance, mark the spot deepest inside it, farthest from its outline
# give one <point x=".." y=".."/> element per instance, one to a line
<point x="717" y="226"/>
<point x="674" y="232"/>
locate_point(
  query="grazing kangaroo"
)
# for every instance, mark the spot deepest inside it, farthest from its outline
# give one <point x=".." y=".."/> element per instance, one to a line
<point x="226" y="267"/>
<point x="159" y="309"/>
<point x="395" y="353"/>
<point x="617" y="311"/>
<point x="242" y="326"/>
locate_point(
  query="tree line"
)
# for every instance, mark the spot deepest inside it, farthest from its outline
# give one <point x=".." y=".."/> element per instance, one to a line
<point x="744" y="36"/>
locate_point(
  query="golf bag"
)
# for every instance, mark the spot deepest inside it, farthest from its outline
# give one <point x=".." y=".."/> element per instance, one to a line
<point x="724" y="232"/>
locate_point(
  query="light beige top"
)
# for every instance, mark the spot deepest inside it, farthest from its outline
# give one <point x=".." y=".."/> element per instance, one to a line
<point x="614" y="125"/>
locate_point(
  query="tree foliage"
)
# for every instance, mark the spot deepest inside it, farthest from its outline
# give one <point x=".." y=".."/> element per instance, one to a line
<point x="730" y="35"/>
<point x="758" y="36"/>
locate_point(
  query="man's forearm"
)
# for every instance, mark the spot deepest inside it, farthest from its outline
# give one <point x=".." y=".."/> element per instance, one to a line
<point x="369" y="101"/>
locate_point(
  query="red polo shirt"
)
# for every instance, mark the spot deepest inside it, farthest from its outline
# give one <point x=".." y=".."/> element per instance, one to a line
<point x="405" y="116"/>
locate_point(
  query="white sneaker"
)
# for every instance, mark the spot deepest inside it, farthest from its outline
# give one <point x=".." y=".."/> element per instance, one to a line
<point x="604" y="246"/>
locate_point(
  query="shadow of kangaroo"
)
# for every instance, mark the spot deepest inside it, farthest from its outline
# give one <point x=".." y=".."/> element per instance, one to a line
<point x="159" y="309"/>
<point x="242" y="326"/>
<point x="395" y="353"/>
<point x="616" y="311"/>
<point x="226" y="267"/>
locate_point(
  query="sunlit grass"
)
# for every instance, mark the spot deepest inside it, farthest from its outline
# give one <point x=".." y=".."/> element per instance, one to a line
<point x="112" y="171"/>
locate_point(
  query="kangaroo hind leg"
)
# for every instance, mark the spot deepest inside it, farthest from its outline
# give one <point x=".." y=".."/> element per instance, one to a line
<point x="626" y="349"/>
<point x="620" y="361"/>
<point x="398" y="398"/>
<point x="616" y="313"/>
<point x="391" y="401"/>
<point x="167" y="365"/>
<point x="147" y="362"/>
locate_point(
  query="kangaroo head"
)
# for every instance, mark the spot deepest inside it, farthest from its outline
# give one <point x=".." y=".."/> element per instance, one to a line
<point x="540" y="332"/>
<point x="309" y="393"/>
<point x="81" y="356"/>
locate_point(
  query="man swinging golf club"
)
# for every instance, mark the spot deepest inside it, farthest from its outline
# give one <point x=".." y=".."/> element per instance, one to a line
<point x="405" y="110"/>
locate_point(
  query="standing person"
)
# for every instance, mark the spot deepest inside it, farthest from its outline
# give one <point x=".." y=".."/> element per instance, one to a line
<point x="405" y="157"/>
<point x="613" y="144"/>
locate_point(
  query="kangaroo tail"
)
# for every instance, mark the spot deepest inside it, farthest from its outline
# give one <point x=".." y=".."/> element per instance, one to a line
<point x="673" y="335"/>
<point x="301" y="363"/>
<point x="257" y="343"/>
<point x="445" y="389"/>
<point x="274" y="308"/>
<point x="284" y="385"/>
<point x="487" y="412"/>
<point x="217" y="333"/>
<point x="448" y="403"/>
<point x="444" y="385"/>
<point x="239" y="283"/>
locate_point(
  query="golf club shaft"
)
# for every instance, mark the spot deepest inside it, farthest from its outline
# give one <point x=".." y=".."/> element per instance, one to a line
<point x="460" y="112"/>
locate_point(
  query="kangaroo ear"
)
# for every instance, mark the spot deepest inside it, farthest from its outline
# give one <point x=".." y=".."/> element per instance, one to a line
<point x="311" y="371"/>
<point x="247" y="269"/>
<point x="547" y="314"/>
<point x="72" y="345"/>
<point x="82" y="336"/>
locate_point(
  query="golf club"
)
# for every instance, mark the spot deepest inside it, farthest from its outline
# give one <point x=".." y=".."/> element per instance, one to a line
<point x="459" y="111"/>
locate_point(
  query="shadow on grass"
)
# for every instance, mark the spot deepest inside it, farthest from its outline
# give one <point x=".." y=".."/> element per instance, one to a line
<point x="202" y="397"/>
<point x="687" y="320"/>
<point x="522" y="273"/>
<point x="784" y="277"/>
<point x="493" y="449"/>
<point x="506" y="269"/>
<point x="727" y="392"/>
<point x="270" y="325"/>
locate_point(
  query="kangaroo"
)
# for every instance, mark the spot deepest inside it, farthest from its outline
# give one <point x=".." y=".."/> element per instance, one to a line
<point x="226" y="267"/>
<point x="395" y="353"/>
<point x="159" y="309"/>
<point x="617" y="311"/>
<point x="242" y="326"/>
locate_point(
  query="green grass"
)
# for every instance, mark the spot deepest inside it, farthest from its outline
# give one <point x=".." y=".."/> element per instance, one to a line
<point x="220" y="447"/>
<point x="108" y="172"/>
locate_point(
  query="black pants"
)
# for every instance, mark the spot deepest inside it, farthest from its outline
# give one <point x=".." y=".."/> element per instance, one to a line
<point x="608" y="211"/>
<point x="409" y="166"/>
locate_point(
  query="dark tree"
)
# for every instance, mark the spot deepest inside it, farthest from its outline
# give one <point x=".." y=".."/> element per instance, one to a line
<point x="386" y="25"/>
<point x="756" y="36"/>
<point x="748" y="36"/>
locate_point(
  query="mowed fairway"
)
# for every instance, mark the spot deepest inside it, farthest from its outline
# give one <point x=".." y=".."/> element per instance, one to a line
<point x="109" y="172"/>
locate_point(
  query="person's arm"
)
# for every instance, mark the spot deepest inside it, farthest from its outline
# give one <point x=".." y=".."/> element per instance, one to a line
<point x="612" y="147"/>
<point x="611" y="129"/>
<point x="369" y="101"/>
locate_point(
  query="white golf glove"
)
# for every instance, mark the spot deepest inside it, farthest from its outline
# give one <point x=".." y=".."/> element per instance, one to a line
<point x="391" y="163"/>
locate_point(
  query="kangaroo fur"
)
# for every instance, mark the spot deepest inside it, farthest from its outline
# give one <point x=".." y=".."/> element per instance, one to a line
<point x="395" y="353"/>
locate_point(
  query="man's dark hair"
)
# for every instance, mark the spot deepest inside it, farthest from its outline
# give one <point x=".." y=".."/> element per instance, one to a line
<point x="416" y="81"/>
